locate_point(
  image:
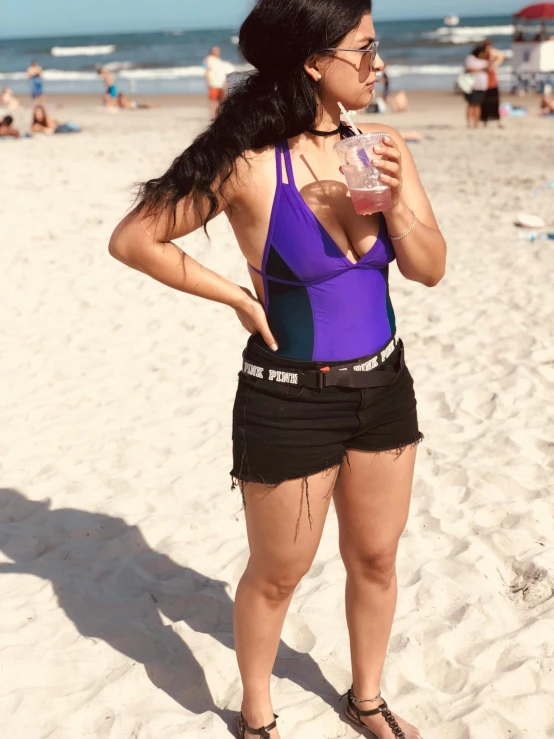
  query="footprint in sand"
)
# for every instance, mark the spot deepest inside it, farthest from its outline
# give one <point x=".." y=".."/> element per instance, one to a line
<point x="530" y="584"/>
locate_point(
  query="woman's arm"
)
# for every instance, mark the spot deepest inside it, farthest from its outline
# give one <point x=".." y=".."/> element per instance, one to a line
<point x="145" y="243"/>
<point x="421" y="255"/>
<point x="497" y="58"/>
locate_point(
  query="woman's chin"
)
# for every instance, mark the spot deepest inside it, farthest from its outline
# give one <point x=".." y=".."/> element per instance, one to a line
<point x="363" y="101"/>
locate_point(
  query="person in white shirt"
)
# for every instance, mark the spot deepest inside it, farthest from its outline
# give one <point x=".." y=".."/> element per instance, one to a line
<point x="216" y="79"/>
<point x="477" y="65"/>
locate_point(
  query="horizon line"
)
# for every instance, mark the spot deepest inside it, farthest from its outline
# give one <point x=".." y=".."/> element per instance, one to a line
<point x="221" y="28"/>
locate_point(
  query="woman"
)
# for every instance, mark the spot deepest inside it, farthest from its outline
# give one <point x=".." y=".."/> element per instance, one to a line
<point x="478" y="66"/>
<point x="309" y="421"/>
<point x="44" y="123"/>
<point x="490" y="110"/>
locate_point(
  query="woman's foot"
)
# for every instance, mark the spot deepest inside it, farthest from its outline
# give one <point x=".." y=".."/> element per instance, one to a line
<point x="255" y="720"/>
<point x="379" y="726"/>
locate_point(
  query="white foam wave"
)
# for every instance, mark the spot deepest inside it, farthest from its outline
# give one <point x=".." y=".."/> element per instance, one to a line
<point x="400" y="70"/>
<point x="175" y="73"/>
<point x="82" y="50"/>
<point x="467" y="34"/>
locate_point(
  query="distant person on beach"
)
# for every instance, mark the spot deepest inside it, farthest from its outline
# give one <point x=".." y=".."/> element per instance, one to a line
<point x="8" y="99"/>
<point x="44" y="123"/>
<point x="490" y="110"/>
<point x="396" y="101"/>
<point x="34" y="74"/>
<point x="478" y="65"/>
<point x="325" y="405"/>
<point x="216" y="79"/>
<point x="110" y="93"/>
<point x="547" y="102"/>
<point x="7" y="127"/>
<point x="385" y="81"/>
<point x="126" y="104"/>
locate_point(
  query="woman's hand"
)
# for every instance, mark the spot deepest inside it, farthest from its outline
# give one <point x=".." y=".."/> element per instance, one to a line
<point x="252" y="315"/>
<point x="389" y="162"/>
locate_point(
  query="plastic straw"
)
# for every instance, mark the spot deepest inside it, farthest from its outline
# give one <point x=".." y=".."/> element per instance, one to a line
<point x="349" y="120"/>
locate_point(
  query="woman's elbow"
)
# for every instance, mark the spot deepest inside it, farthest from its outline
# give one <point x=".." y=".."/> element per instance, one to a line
<point x="434" y="278"/>
<point x="119" y="246"/>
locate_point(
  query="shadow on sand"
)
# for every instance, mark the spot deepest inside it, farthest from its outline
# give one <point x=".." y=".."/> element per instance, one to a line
<point x="114" y="587"/>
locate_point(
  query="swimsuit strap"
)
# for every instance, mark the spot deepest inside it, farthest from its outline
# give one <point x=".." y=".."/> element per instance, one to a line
<point x="279" y="164"/>
<point x="288" y="163"/>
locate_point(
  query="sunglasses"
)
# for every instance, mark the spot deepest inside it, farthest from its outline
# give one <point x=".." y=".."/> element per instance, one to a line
<point x="372" y="51"/>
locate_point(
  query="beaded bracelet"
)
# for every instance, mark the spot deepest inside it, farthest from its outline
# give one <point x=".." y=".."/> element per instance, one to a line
<point x="403" y="236"/>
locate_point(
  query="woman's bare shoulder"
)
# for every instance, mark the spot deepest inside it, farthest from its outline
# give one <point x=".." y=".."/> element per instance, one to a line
<point x="254" y="170"/>
<point x="378" y="128"/>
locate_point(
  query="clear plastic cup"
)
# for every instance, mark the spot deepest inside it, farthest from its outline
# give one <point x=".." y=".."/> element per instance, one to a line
<point x="369" y="194"/>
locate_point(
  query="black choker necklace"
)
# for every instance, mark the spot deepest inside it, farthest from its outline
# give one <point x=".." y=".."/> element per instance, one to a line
<point x="325" y="133"/>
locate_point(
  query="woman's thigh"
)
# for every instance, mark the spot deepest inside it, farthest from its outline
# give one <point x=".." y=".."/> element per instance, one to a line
<point x="372" y="501"/>
<point x="285" y="523"/>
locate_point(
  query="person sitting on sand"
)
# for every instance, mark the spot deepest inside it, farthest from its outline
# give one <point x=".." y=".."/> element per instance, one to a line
<point x="397" y="101"/>
<point x="7" y="128"/>
<point x="126" y="104"/>
<point x="8" y="99"/>
<point x="44" y="123"/>
<point x="547" y="102"/>
<point x="110" y="95"/>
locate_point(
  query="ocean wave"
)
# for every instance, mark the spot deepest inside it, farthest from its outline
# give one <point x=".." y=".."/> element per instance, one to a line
<point x="82" y="50"/>
<point x="400" y="70"/>
<point x="122" y="70"/>
<point x="467" y="34"/>
<point x="174" y="73"/>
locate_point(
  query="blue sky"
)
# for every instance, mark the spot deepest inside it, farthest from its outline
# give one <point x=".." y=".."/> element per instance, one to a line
<point x="64" y="17"/>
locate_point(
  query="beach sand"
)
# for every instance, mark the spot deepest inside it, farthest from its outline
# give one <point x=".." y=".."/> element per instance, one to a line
<point x="121" y="544"/>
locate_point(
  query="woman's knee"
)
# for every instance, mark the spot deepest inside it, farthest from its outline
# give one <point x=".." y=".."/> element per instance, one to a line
<point x="377" y="564"/>
<point x="275" y="586"/>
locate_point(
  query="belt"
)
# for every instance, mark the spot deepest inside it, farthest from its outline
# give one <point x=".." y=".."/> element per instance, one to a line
<point x="358" y="374"/>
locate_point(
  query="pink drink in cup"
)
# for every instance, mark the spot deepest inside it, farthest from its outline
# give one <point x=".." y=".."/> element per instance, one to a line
<point x="369" y="194"/>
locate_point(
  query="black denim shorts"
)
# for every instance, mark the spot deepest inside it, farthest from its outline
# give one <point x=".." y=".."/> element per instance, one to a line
<point x="283" y="432"/>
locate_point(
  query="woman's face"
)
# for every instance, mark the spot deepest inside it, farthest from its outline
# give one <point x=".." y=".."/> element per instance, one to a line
<point x="39" y="115"/>
<point x="350" y="76"/>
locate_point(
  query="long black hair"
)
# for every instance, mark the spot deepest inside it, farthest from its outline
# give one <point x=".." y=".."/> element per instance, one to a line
<point x="277" y="101"/>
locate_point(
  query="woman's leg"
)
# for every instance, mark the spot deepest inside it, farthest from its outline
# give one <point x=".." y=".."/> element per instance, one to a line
<point x="372" y="502"/>
<point x="282" y="549"/>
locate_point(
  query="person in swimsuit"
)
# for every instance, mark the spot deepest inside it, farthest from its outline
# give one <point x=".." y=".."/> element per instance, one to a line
<point x="216" y="79"/>
<point x="110" y="95"/>
<point x="124" y="102"/>
<point x="7" y="129"/>
<point x="34" y="74"/>
<point x="325" y="406"/>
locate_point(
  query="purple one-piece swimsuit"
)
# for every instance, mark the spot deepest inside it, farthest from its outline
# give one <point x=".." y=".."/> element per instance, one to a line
<point x="320" y="306"/>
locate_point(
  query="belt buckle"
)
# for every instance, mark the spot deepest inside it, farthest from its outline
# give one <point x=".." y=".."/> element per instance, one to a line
<point x="322" y="377"/>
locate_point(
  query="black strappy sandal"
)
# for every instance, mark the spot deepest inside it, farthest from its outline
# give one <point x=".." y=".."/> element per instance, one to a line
<point x="243" y="728"/>
<point x="354" y="715"/>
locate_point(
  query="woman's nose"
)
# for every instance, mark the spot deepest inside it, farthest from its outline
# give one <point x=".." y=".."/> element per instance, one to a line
<point x="379" y="64"/>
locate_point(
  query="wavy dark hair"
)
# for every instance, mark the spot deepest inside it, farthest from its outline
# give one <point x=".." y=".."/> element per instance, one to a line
<point x="277" y="101"/>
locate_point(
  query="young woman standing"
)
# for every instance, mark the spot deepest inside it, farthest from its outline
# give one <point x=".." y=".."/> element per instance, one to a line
<point x="324" y="381"/>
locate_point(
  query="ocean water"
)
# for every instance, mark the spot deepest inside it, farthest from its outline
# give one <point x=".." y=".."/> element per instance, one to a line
<point x="421" y="54"/>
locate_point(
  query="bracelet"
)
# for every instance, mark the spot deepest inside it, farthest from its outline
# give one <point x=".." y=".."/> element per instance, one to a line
<point x="403" y="236"/>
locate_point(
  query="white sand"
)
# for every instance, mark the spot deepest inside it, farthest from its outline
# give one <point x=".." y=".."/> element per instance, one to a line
<point x="120" y="542"/>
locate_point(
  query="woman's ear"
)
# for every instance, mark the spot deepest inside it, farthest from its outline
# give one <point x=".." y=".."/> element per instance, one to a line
<point x="312" y="70"/>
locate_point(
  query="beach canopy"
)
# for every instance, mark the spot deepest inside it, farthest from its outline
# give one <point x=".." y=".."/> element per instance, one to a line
<point x="539" y="11"/>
